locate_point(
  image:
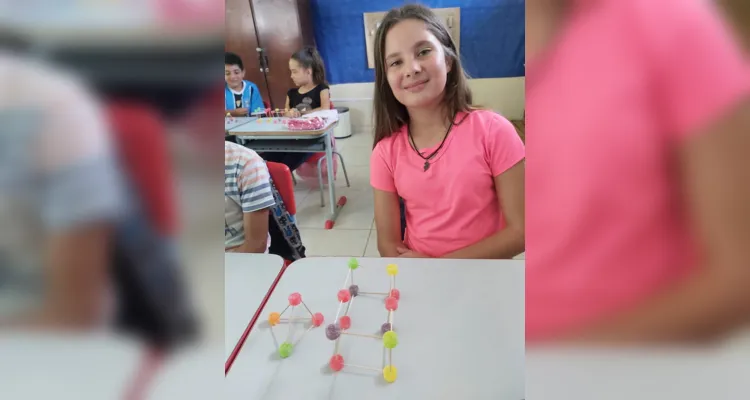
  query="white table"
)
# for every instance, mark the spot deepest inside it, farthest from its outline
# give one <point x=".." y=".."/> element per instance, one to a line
<point x="190" y="374"/>
<point x="644" y="374"/>
<point x="460" y="328"/>
<point x="231" y="123"/>
<point x="57" y="366"/>
<point x="247" y="280"/>
<point x="272" y="135"/>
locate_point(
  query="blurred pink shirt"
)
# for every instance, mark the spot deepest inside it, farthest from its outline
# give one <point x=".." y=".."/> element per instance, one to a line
<point x="454" y="203"/>
<point x="624" y="84"/>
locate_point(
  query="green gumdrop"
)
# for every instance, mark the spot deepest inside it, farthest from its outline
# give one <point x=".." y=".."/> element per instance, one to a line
<point x="285" y="350"/>
<point x="353" y="263"/>
<point x="390" y="339"/>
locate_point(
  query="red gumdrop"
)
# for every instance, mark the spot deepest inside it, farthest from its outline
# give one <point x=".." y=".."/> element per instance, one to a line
<point x="317" y="319"/>
<point x="336" y="363"/>
<point x="345" y="322"/>
<point x="344" y="295"/>
<point x="295" y="299"/>
<point x="395" y="294"/>
<point x="391" y="304"/>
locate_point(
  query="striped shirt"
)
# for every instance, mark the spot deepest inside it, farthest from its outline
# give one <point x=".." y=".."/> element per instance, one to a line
<point x="247" y="188"/>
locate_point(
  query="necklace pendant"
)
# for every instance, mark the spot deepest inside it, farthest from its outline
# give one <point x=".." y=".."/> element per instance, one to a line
<point x="426" y="165"/>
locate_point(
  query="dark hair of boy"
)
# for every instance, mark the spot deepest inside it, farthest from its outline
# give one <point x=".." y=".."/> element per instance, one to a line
<point x="233" y="59"/>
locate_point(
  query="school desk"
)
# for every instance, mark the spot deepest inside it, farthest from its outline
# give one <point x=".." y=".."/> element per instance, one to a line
<point x="459" y="325"/>
<point x="234" y="122"/>
<point x="272" y="135"/>
<point x="58" y="366"/>
<point x="248" y="278"/>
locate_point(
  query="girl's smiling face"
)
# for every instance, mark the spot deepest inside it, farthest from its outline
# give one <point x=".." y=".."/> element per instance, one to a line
<point x="415" y="64"/>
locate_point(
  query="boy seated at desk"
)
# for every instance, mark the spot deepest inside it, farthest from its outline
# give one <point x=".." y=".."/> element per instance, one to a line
<point x="241" y="97"/>
<point x="248" y="196"/>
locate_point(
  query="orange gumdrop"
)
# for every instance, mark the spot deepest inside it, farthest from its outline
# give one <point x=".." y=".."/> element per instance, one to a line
<point x="274" y="318"/>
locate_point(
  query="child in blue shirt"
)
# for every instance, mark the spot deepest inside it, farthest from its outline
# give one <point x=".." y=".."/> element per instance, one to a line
<point x="241" y="97"/>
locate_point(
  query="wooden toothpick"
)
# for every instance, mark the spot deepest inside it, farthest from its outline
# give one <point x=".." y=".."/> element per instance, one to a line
<point x="308" y="310"/>
<point x="275" y="341"/>
<point x="291" y="328"/>
<point x="361" y="335"/>
<point x="362" y="367"/>
<point x="390" y="358"/>
<point x="303" y="335"/>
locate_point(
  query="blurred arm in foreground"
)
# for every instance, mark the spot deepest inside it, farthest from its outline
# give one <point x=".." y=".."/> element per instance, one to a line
<point x="682" y="196"/>
<point x="75" y="188"/>
<point x="715" y="299"/>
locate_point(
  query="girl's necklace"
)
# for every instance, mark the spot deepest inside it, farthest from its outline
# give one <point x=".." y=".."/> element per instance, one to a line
<point x="427" y="158"/>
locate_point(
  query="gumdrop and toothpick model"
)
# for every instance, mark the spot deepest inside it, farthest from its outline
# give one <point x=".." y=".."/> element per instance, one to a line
<point x="285" y="348"/>
<point x="269" y="115"/>
<point x="341" y="325"/>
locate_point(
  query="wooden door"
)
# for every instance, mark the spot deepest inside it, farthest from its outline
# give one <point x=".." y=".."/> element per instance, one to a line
<point x="241" y="38"/>
<point x="284" y="27"/>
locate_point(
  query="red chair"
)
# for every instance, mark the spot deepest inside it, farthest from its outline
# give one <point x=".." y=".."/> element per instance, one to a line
<point x="141" y="141"/>
<point x="282" y="178"/>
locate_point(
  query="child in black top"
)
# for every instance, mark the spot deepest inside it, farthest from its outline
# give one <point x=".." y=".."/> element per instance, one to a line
<point x="311" y="94"/>
<point x="309" y="75"/>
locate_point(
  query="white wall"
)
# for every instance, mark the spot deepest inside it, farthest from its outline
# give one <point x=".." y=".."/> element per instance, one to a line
<point x="504" y="95"/>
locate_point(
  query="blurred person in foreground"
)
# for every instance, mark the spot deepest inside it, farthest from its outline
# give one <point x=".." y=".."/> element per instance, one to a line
<point x="78" y="248"/>
<point x="638" y="173"/>
<point x="61" y="192"/>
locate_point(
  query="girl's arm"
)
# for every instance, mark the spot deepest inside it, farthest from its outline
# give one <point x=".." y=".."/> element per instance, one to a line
<point x="715" y="299"/>
<point x="291" y="113"/>
<point x="255" y="225"/>
<point x="509" y="241"/>
<point x="387" y="222"/>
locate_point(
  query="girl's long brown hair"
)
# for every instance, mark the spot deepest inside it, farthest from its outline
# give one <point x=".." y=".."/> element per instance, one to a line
<point x="310" y="58"/>
<point x="389" y="114"/>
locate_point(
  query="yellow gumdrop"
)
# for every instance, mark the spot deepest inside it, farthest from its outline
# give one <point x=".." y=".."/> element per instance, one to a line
<point x="274" y="318"/>
<point x="390" y="339"/>
<point x="390" y="373"/>
<point x="392" y="269"/>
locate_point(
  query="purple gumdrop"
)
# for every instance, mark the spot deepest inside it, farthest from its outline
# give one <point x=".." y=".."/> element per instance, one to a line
<point x="333" y="331"/>
<point x="386" y="327"/>
<point x="354" y="290"/>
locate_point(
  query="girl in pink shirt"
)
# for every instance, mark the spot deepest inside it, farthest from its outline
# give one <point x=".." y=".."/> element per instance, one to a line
<point x="638" y="224"/>
<point x="458" y="168"/>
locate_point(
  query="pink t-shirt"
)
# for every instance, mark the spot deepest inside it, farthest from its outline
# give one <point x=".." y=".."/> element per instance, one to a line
<point x="454" y="203"/>
<point x="610" y="103"/>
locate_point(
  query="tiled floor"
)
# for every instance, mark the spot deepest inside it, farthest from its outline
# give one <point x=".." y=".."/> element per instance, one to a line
<point x="354" y="233"/>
